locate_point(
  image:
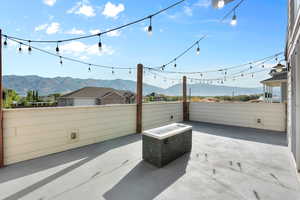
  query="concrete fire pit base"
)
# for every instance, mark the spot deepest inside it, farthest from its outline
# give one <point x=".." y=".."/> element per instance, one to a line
<point x="165" y="144"/>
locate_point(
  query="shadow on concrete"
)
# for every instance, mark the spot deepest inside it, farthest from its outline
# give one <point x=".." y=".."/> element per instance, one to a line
<point x="242" y="133"/>
<point x="145" y="181"/>
<point x="83" y="155"/>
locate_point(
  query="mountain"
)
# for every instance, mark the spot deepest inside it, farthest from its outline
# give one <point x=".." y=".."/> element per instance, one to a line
<point x="212" y="90"/>
<point x="67" y="84"/>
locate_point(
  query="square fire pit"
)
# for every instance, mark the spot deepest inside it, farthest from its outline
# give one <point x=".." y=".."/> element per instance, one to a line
<point x="165" y="144"/>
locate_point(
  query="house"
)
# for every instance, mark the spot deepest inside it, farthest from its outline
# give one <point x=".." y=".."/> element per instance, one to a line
<point x="278" y="79"/>
<point x="88" y="96"/>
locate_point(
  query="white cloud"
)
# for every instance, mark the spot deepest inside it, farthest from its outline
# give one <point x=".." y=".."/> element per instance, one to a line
<point x="83" y="58"/>
<point x="78" y="48"/>
<point x="75" y="31"/>
<point x="53" y="28"/>
<point x="83" y="8"/>
<point x="113" y="10"/>
<point x="41" y="27"/>
<point x="188" y="10"/>
<point x="114" y="33"/>
<point x="95" y="31"/>
<point x="203" y="3"/>
<point x="49" y="2"/>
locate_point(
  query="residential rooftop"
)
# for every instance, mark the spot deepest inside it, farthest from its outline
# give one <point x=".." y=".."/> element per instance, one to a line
<point x="226" y="162"/>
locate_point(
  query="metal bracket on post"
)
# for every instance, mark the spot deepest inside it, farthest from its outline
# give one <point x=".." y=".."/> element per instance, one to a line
<point x="139" y="98"/>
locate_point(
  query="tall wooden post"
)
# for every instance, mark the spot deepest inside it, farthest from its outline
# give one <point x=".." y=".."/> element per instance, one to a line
<point x="185" y="103"/>
<point x="1" y="104"/>
<point x="139" y="98"/>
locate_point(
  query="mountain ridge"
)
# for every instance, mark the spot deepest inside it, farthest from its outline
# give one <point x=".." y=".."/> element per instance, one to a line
<point x="64" y="85"/>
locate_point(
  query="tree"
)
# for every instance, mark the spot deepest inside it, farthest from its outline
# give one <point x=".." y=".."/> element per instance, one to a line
<point x="10" y="97"/>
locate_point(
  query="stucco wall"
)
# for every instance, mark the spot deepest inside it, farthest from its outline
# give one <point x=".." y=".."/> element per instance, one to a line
<point x="30" y="133"/>
<point x="159" y="114"/>
<point x="273" y="116"/>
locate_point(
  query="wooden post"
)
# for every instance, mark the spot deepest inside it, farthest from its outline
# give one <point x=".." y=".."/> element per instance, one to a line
<point x="1" y="111"/>
<point x="185" y="104"/>
<point x="139" y="99"/>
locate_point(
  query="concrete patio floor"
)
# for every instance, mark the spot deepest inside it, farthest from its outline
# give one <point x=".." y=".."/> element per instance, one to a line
<point x="226" y="163"/>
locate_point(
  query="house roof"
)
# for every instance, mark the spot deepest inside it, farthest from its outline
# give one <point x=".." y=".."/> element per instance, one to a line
<point x="95" y="92"/>
<point x="276" y="77"/>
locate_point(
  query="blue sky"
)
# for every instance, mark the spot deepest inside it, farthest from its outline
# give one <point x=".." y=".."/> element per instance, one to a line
<point x="260" y="32"/>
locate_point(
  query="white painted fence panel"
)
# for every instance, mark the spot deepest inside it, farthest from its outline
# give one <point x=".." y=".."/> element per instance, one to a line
<point x="272" y="116"/>
<point x="159" y="114"/>
<point x="31" y="133"/>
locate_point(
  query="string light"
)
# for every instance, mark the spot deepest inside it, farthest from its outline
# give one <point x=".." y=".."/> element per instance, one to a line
<point x="20" y="47"/>
<point x="29" y="48"/>
<point x="66" y="58"/>
<point x="112" y="71"/>
<point x="57" y="48"/>
<point x="129" y="71"/>
<point x="198" y="49"/>
<point x="233" y="21"/>
<point x="60" y="60"/>
<point x="90" y="68"/>
<point x="107" y="31"/>
<point x="5" y="42"/>
<point x="175" y="64"/>
<point x="150" y="26"/>
<point x="222" y="70"/>
<point x="181" y="54"/>
<point x="100" y="43"/>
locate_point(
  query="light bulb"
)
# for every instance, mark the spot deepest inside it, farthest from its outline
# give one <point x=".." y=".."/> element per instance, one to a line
<point x="5" y="42"/>
<point x="20" y="48"/>
<point x="60" y="60"/>
<point x="233" y="21"/>
<point x="221" y="4"/>
<point x="150" y="30"/>
<point x="29" y="48"/>
<point x="198" y="51"/>
<point x="150" y="27"/>
<point x="100" y="43"/>
<point x="57" y="48"/>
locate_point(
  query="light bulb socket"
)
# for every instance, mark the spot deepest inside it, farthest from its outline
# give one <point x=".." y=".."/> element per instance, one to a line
<point x="5" y="42"/>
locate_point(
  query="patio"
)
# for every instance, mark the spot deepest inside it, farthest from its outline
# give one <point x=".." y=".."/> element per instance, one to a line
<point x="226" y="162"/>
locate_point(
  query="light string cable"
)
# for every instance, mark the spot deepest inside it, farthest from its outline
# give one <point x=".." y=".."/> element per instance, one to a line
<point x="237" y="77"/>
<point x="222" y="68"/>
<point x="69" y="58"/>
<point x="149" y="17"/>
<point x="226" y="75"/>
<point x="256" y="64"/>
<point x="174" y="60"/>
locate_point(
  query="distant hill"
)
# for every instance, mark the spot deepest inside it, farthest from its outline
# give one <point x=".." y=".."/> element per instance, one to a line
<point x="212" y="90"/>
<point x="67" y="84"/>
